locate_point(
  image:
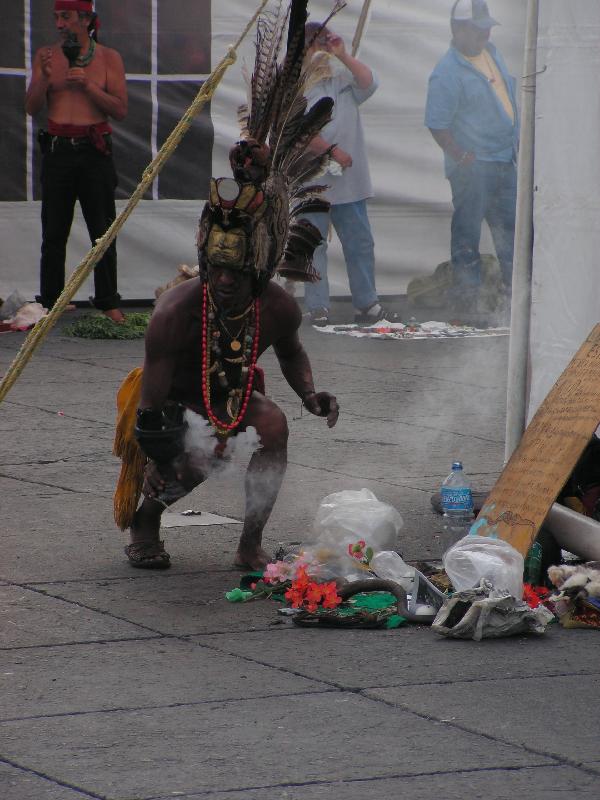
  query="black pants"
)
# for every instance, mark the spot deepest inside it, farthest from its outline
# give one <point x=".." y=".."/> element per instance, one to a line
<point x="71" y="173"/>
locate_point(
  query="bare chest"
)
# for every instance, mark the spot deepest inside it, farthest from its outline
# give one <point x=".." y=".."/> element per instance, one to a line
<point x="69" y="102"/>
<point x="192" y="363"/>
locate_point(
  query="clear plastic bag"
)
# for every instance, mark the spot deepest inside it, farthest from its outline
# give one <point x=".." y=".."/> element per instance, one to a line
<point x="349" y="529"/>
<point x="324" y="563"/>
<point x="389" y="565"/>
<point x="476" y="558"/>
<point x="348" y="516"/>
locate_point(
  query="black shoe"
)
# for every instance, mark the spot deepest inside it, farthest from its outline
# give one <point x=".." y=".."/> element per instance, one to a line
<point x="375" y="314"/>
<point x="319" y="317"/>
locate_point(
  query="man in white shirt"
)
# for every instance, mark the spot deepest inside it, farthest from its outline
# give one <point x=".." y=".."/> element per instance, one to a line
<point x="350" y="184"/>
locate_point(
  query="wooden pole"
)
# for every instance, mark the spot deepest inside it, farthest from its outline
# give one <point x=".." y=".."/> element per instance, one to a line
<point x="360" y="27"/>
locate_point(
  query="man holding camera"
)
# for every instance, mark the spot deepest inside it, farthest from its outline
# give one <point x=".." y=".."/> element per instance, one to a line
<point x="349" y="180"/>
<point x="82" y="84"/>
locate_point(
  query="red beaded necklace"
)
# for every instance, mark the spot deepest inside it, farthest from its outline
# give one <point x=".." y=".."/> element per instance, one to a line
<point x="225" y="428"/>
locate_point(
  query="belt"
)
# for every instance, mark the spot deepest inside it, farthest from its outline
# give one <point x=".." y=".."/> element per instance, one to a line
<point x="75" y="142"/>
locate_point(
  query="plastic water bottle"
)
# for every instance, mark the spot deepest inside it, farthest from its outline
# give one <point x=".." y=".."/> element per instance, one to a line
<point x="457" y="502"/>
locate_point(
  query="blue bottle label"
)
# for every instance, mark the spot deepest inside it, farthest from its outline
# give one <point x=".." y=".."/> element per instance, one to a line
<point x="456" y="499"/>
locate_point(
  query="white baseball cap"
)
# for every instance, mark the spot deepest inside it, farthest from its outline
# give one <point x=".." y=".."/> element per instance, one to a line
<point x="474" y="11"/>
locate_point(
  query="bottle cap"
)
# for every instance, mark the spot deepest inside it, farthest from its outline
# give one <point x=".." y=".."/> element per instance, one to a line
<point x="457" y="465"/>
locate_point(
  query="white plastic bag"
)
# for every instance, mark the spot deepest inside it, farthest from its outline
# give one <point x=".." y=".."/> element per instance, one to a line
<point x="389" y="565"/>
<point x="345" y="517"/>
<point x="476" y="558"/>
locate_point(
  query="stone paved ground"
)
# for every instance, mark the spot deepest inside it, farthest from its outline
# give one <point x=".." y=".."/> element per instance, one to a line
<point x="120" y="684"/>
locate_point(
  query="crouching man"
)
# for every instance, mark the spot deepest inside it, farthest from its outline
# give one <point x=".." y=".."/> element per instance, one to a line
<point x="202" y="346"/>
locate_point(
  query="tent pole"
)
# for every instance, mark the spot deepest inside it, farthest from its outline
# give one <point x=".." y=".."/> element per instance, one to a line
<point x="517" y="388"/>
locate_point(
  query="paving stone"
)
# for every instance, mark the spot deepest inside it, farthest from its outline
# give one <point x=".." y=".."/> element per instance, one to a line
<point x="83" y="522"/>
<point x="413" y="656"/>
<point x="507" y="709"/>
<point x="90" y="473"/>
<point x="29" y="618"/>
<point x="558" y="783"/>
<point x="128" y="675"/>
<point x="169" y="603"/>
<point x="221" y="746"/>
<point x="50" y="437"/>
<point x="17" y="784"/>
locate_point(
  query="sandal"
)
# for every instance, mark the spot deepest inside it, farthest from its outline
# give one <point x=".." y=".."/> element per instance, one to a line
<point x="148" y="555"/>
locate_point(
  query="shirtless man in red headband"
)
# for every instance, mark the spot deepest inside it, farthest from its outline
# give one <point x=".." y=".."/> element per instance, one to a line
<point x="77" y="164"/>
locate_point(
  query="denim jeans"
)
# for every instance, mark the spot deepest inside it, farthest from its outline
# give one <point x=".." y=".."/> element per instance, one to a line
<point x="351" y="224"/>
<point x="485" y="190"/>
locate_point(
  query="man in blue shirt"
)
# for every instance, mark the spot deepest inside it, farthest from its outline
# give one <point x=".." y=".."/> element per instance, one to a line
<point x="472" y="114"/>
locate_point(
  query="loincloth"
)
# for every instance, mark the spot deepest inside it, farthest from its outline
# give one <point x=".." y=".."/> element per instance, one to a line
<point x="208" y="452"/>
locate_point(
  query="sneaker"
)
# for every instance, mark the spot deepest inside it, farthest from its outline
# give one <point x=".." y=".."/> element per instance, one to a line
<point x="374" y="314"/>
<point x="319" y="317"/>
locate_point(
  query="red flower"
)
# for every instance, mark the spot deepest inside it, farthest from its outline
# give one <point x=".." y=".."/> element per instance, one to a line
<point x="308" y="594"/>
<point x="356" y="550"/>
<point x="534" y="595"/>
<point x="331" y="599"/>
<point x="294" y="597"/>
<point x="301" y="580"/>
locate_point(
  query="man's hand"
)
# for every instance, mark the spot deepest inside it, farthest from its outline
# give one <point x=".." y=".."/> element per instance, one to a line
<point x="77" y="78"/>
<point x="46" y="63"/>
<point x="335" y="45"/>
<point x="343" y="158"/>
<point x="323" y="404"/>
<point x="466" y="159"/>
<point x="155" y="479"/>
<point x="169" y="482"/>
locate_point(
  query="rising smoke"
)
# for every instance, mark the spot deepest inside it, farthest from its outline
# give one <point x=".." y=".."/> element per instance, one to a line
<point x="200" y="443"/>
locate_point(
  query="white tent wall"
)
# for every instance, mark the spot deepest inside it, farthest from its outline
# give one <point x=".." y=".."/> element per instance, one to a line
<point x="410" y="212"/>
<point x="565" y="295"/>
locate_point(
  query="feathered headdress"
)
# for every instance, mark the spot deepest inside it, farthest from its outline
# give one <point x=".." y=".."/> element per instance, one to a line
<point x="273" y="156"/>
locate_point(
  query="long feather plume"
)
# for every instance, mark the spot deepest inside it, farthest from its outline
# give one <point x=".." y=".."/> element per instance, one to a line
<point x="270" y="33"/>
<point x="276" y="115"/>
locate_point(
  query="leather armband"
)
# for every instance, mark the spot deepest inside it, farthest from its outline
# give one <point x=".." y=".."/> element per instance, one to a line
<point x="160" y="434"/>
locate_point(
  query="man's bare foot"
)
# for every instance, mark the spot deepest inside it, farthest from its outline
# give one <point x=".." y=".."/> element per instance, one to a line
<point x="251" y="558"/>
<point x="115" y="315"/>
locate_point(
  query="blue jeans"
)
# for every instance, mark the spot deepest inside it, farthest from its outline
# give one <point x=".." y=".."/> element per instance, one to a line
<point x="351" y="224"/>
<point x="485" y="190"/>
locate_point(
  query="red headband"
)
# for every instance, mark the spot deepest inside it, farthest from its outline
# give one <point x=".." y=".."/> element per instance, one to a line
<point x="74" y="5"/>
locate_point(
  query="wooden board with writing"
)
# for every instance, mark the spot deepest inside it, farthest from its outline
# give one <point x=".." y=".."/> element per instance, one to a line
<point x="551" y="446"/>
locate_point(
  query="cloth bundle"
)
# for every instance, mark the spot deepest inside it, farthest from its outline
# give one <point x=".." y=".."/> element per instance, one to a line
<point x="485" y="613"/>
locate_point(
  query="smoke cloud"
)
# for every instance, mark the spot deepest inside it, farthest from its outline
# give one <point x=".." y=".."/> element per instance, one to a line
<point x="201" y="440"/>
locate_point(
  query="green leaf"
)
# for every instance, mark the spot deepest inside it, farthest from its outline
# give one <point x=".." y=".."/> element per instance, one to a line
<point x="395" y="621"/>
<point x="238" y="596"/>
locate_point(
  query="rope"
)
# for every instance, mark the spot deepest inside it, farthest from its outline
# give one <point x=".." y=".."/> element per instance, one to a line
<point x="81" y="272"/>
<point x="362" y="21"/>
